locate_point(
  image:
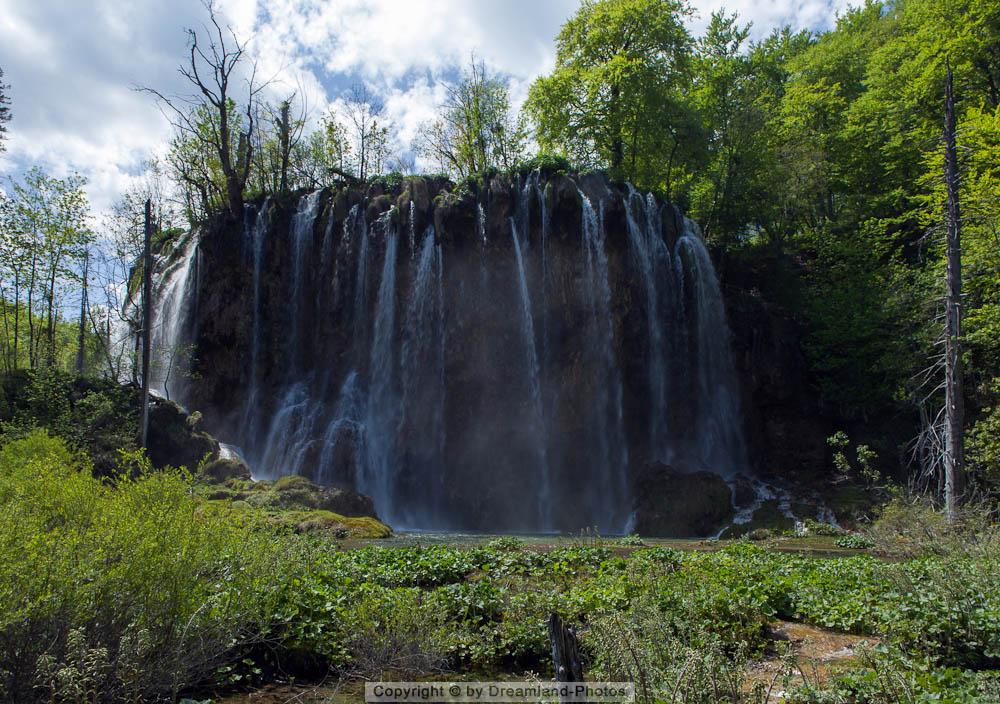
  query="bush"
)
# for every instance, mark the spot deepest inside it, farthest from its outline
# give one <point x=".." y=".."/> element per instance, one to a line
<point x="854" y="541"/>
<point x="913" y="527"/>
<point x="640" y="649"/>
<point x="128" y="592"/>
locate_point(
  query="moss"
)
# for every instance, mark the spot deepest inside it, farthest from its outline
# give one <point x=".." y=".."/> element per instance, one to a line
<point x="328" y="521"/>
<point x="292" y="482"/>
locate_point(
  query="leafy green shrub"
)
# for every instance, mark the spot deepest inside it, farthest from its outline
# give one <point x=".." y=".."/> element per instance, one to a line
<point x="398" y="630"/>
<point x="632" y="540"/>
<point x="132" y="592"/>
<point x="548" y="163"/>
<point x="854" y="541"/>
<point x="889" y="676"/>
<point x="815" y="527"/>
<point x="96" y="416"/>
<point x="506" y="542"/>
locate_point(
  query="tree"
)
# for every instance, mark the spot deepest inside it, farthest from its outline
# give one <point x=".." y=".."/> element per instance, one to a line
<point x="368" y="130"/>
<point x="207" y="130"/>
<point x="476" y="130"/>
<point x="737" y="90"/>
<point x="44" y="240"/>
<point x="616" y="96"/>
<point x="4" y="111"/>
<point x="117" y="320"/>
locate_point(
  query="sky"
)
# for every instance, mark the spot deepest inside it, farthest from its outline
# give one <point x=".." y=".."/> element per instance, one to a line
<point x="74" y="65"/>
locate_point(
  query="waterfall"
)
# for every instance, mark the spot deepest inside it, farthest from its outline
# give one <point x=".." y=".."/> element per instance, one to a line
<point x="535" y="386"/>
<point x="380" y="422"/>
<point x="422" y="364"/>
<point x="522" y="388"/>
<point x="172" y="302"/>
<point x="302" y="234"/>
<point x="255" y="235"/>
<point x="652" y="263"/>
<point x="610" y="451"/>
<point x="718" y="420"/>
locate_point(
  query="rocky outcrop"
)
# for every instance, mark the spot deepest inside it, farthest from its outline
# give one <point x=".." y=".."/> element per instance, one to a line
<point x="175" y="438"/>
<point x="681" y="505"/>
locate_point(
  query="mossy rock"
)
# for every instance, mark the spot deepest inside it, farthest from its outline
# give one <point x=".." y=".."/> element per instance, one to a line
<point x="297" y="492"/>
<point x="330" y="522"/>
<point x="223" y="470"/>
<point x="174" y="441"/>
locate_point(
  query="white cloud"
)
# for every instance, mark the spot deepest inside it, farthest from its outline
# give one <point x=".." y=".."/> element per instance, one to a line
<point x="72" y="65"/>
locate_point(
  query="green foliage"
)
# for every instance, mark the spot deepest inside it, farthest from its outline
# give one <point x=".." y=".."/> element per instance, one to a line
<point x="129" y="592"/>
<point x="95" y="416"/>
<point x="853" y="541"/>
<point x="476" y="131"/>
<point x="546" y="163"/>
<point x="615" y="98"/>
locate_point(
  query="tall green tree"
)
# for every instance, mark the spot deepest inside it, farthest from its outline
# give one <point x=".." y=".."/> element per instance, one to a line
<point x="617" y="96"/>
<point x="42" y="243"/>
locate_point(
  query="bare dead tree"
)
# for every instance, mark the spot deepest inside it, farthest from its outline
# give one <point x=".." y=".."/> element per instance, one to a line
<point x="954" y="401"/>
<point x="938" y="450"/>
<point x="214" y="65"/>
<point x="365" y="112"/>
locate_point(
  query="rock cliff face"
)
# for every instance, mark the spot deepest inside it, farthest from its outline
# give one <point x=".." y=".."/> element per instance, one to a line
<point x="505" y="355"/>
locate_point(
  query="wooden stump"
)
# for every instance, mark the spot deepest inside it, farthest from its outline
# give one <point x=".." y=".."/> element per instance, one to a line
<point x="565" y="655"/>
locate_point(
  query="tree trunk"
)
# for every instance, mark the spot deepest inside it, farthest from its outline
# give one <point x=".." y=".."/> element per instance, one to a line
<point x="285" y="136"/>
<point x="31" y="312"/>
<point x="17" y="316"/>
<point x="617" y="147"/>
<point x="565" y="656"/>
<point x="954" y="402"/>
<point x="147" y="320"/>
<point x="84" y="304"/>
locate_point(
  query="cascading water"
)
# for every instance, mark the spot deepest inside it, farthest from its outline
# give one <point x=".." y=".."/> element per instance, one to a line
<point x="651" y="259"/>
<point x="172" y="303"/>
<point x="423" y="389"/>
<point x="376" y="479"/>
<point x="718" y="419"/>
<point x="521" y="388"/>
<point x="610" y="449"/>
<point x="255" y="235"/>
<point x="302" y="232"/>
<point x="534" y="384"/>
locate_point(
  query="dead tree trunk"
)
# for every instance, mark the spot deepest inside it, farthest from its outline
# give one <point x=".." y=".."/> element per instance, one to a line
<point x="284" y="134"/>
<point x="147" y="319"/>
<point x="565" y="655"/>
<point x="954" y="403"/>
